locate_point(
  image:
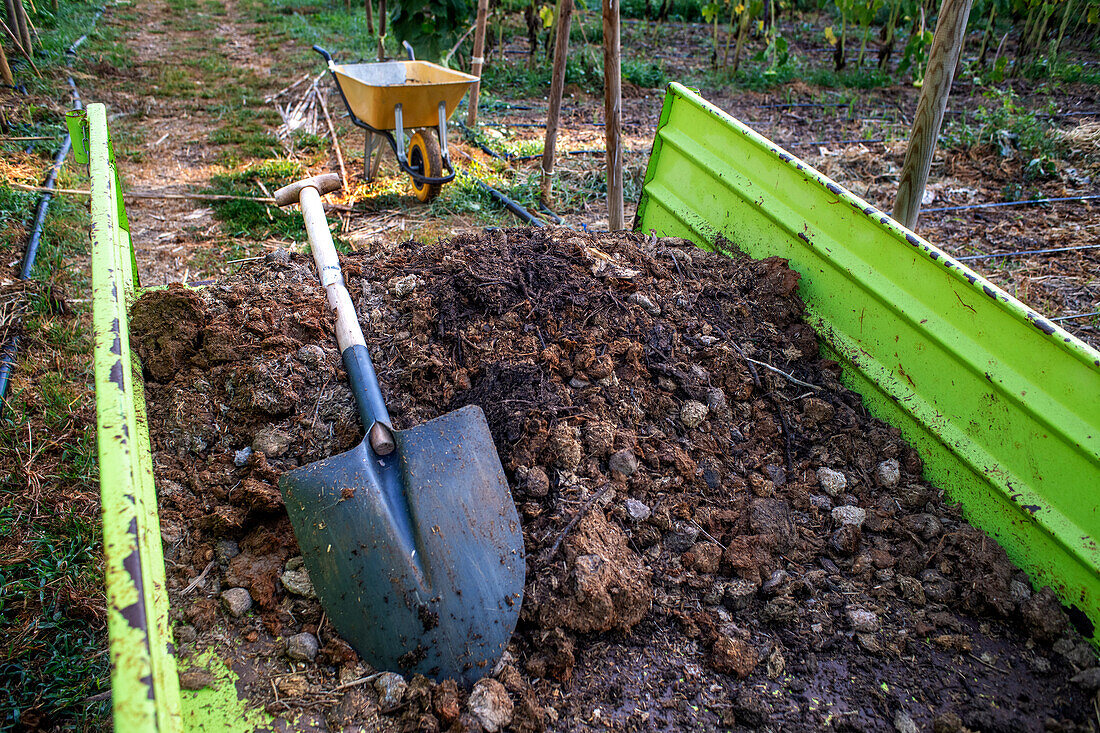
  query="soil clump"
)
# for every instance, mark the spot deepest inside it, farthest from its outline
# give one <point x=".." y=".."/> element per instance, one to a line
<point x="718" y="535"/>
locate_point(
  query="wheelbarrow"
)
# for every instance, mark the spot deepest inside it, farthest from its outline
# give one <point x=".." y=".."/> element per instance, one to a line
<point x="388" y="97"/>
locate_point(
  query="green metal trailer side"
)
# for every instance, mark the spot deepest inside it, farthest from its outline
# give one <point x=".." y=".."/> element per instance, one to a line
<point x="1003" y="406"/>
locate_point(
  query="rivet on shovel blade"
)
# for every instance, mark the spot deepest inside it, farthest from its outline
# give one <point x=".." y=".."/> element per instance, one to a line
<point x="381" y="439"/>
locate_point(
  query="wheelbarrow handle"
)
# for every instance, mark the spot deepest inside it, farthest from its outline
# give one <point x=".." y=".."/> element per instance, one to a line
<point x="323" y="52"/>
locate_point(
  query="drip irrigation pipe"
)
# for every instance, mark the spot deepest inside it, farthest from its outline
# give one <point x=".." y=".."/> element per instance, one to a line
<point x="11" y="348"/>
<point x="1075" y="315"/>
<point x="1012" y="203"/>
<point x="511" y="205"/>
<point x="1024" y="252"/>
<point x="853" y="141"/>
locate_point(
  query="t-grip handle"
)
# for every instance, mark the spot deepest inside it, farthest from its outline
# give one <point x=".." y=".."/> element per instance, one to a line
<point x="349" y="335"/>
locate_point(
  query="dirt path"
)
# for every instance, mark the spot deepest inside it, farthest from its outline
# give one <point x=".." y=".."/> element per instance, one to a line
<point x="162" y="129"/>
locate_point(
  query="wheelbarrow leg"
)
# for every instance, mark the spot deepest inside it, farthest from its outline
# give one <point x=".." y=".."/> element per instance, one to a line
<point x="372" y="146"/>
<point x="443" y="133"/>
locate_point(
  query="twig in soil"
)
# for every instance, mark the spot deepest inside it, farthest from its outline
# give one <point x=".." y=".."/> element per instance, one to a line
<point x="572" y="522"/>
<point x="335" y="141"/>
<point x="355" y="683"/>
<point x="976" y="658"/>
<point x="784" y="374"/>
<point x="195" y="583"/>
<point x="147" y="194"/>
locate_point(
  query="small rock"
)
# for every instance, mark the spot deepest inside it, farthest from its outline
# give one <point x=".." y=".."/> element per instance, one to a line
<point x="832" y="482"/>
<point x="637" y="511"/>
<point x="240" y="457"/>
<point x="296" y="578"/>
<point x="271" y="442"/>
<point x="693" y="413"/>
<point x="538" y="483"/>
<point x="848" y="514"/>
<point x="845" y="540"/>
<point x="716" y="402"/>
<point x="640" y="299"/>
<point x="1019" y="591"/>
<point x="888" y="473"/>
<point x="703" y="557"/>
<point x="311" y="355"/>
<point x="774" y="585"/>
<point x="237" y="601"/>
<point x="186" y="634"/>
<point x="195" y="679"/>
<point x="279" y="256"/>
<point x="292" y="685"/>
<point x="862" y="620"/>
<point x="903" y="723"/>
<point x="739" y="594"/>
<point x="226" y="550"/>
<point x="578" y="383"/>
<point x="399" y="287"/>
<point x="733" y="656"/>
<point x="391" y="689"/>
<point x="302" y="647"/>
<point x="682" y="537"/>
<point x="624" y="461"/>
<point x="490" y="704"/>
<point x="1089" y="679"/>
<point x="820" y="501"/>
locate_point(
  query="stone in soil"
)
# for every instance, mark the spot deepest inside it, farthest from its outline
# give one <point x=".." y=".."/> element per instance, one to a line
<point x="490" y="705"/>
<point x="237" y="601"/>
<point x="302" y="647"/>
<point x="391" y="690"/>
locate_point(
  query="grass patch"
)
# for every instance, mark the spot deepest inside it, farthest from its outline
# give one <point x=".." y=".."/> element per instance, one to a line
<point x="251" y="219"/>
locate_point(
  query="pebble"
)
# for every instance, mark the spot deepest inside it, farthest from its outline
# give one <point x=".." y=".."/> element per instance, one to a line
<point x="693" y="413"/>
<point x="226" y="550"/>
<point x="271" y="442"/>
<point x="296" y="578"/>
<point x="832" y="482"/>
<point x="903" y="723"/>
<point x="302" y="647"/>
<point x="1088" y="679"/>
<point x="862" y="620"/>
<point x="738" y="595"/>
<point x="240" y="457"/>
<point x="624" y="461"/>
<point x="237" y="601"/>
<point x="538" y="483"/>
<point x="637" y="511"/>
<point x="311" y="355"/>
<point x="682" y="537"/>
<point x="888" y="473"/>
<point x="402" y="286"/>
<point x="390" y="687"/>
<point x="716" y="401"/>
<point x="848" y="514"/>
<point x="279" y="256"/>
<point x="195" y="679"/>
<point x="640" y="299"/>
<point x="490" y="704"/>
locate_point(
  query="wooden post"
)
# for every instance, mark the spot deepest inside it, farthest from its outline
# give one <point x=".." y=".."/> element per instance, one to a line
<point x="368" y="6"/>
<point x="381" y="30"/>
<point x="942" y="59"/>
<point x="5" y="70"/>
<point x="24" y="32"/>
<point x="557" y="87"/>
<point x="477" y="62"/>
<point x="613" y="107"/>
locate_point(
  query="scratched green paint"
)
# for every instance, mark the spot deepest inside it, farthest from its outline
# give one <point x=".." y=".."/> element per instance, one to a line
<point x="1000" y="403"/>
<point x="217" y="708"/>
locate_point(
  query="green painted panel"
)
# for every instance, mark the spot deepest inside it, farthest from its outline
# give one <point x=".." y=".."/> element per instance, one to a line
<point x="1000" y="402"/>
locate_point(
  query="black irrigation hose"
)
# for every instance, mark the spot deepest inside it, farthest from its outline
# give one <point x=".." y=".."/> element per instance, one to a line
<point x="11" y="348"/>
<point x="1012" y="203"/>
<point x="1024" y="252"/>
<point x="511" y="205"/>
<point x="853" y="141"/>
<point x="1075" y="315"/>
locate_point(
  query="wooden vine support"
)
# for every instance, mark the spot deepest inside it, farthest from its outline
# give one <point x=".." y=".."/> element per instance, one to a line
<point x="943" y="58"/>
<point x="478" y="61"/>
<point x="613" y="107"/>
<point x="557" y="87"/>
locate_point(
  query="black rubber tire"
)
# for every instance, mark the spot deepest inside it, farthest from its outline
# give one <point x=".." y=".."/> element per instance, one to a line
<point x="424" y="157"/>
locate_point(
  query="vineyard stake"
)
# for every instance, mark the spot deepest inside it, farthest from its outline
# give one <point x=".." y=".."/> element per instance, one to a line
<point x="942" y="60"/>
<point x="613" y="108"/>
<point x="477" y="61"/>
<point x="557" y="86"/>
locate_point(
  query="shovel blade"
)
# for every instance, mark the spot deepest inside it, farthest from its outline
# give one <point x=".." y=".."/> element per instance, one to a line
<point x="417" y="557"/>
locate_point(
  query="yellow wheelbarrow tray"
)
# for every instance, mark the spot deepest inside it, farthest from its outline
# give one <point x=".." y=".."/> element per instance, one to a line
<point x="389" y="97"/>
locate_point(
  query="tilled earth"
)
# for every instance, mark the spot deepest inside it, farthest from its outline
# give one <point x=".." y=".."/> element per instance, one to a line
<point x="718" y="535"/>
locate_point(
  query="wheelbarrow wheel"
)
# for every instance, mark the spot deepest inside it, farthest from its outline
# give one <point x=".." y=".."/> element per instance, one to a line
<point x="425" y="158"/>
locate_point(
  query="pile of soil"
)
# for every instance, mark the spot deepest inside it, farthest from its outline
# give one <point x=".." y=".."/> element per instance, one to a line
<point x="718" y="535"/>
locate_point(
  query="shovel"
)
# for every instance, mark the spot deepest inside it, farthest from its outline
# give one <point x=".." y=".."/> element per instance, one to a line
<point x="411" y="538"/>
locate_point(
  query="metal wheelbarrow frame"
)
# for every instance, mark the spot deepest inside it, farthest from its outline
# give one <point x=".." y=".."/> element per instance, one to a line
<point x="412" y="87"/>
